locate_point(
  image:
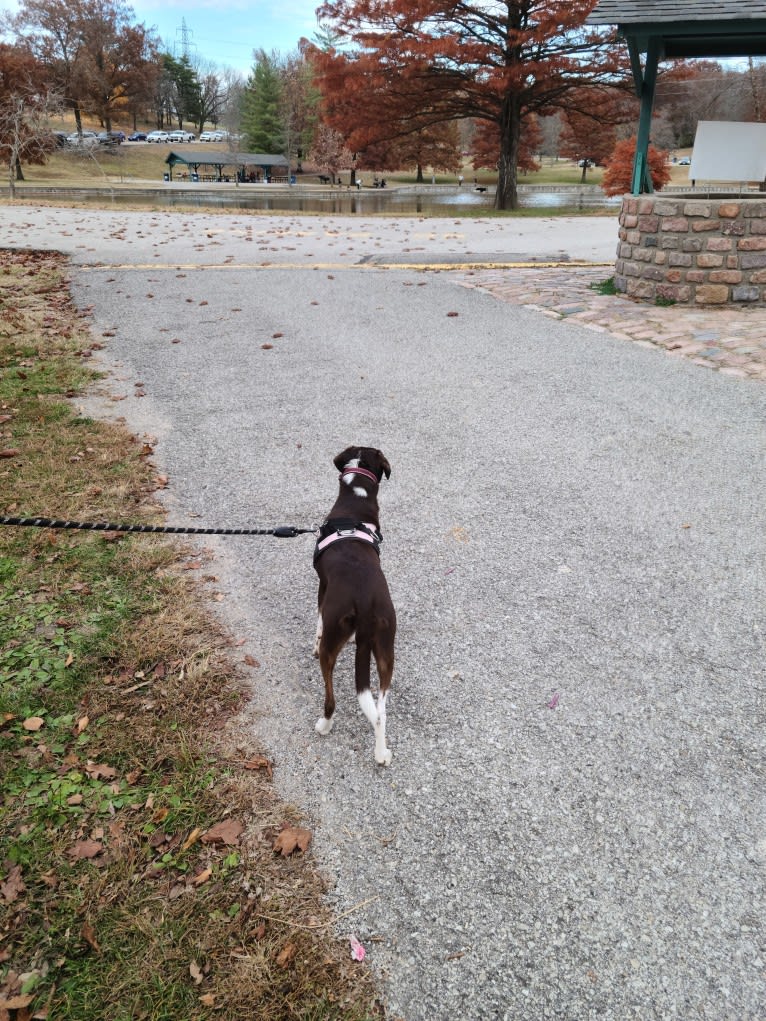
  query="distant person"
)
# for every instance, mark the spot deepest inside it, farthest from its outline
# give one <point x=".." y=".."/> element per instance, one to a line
<point x="460" y="181"/>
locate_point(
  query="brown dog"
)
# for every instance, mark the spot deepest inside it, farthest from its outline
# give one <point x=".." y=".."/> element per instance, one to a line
<point x="353" y="594"/>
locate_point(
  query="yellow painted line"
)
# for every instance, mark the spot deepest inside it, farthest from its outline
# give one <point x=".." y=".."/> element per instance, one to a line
<point x="339" y="266"/>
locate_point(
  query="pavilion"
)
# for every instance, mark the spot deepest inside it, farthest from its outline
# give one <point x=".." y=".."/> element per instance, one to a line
<point x="245" y="167"/>
<point x="670" y="29"/>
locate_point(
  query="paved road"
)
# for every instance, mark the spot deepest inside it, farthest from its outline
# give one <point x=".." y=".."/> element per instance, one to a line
<point x="573" y="823"/>
<point x="196" y="239"/>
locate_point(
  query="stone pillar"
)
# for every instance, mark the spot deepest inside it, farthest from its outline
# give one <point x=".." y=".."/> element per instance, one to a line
<point x="692" y="251"/>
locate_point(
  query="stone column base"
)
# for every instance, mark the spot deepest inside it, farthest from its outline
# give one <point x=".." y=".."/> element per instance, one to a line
<point x="692" y="251"/>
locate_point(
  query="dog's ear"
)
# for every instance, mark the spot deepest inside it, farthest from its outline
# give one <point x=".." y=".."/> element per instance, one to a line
<point x="345" y="456"/>
<point x="385" y="467"/>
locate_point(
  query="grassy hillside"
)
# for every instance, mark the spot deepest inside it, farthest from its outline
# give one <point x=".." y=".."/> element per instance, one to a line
<point x="139" y="162"/>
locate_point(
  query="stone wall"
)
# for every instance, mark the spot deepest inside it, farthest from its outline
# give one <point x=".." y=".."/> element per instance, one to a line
<point x="691" y="250"/>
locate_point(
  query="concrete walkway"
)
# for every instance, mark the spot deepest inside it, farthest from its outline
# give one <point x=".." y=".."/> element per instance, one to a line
<point x="573" y="826"/>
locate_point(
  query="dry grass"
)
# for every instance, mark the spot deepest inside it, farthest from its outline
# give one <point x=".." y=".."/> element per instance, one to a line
<point x="113" y="902"/>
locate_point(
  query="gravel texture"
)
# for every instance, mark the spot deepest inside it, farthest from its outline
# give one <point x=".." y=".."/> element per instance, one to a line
<point x="573" y="822"/>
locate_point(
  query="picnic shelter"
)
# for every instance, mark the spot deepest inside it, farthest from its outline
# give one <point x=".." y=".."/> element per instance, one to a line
<point x="244" y="167"/>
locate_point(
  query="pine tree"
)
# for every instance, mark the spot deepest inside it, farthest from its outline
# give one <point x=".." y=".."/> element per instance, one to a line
<point x="261" y="119"/>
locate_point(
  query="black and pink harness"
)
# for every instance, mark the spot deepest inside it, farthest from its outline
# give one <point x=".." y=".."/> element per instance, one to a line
<point x="348" y="528"/>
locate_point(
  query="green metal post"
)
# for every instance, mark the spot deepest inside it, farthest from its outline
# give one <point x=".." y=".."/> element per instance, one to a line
<point x="642" y="179"/>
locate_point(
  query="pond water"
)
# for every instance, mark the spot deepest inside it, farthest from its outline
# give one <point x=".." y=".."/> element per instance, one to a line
<point x="395" y="201"/>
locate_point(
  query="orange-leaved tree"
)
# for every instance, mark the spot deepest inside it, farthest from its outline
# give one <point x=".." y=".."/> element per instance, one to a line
<point x="589" y="128"/>
<point x="486" y="146"/>
<point x="618" y="177"/>
<point x="440" y="60"/>
<point x="25" y="105"/>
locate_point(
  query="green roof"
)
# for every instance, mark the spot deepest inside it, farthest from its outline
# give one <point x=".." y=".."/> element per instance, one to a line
<point x="211" y="158"/>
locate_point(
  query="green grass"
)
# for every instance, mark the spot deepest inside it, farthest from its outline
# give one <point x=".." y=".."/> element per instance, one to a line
<point x="605" y="287"/>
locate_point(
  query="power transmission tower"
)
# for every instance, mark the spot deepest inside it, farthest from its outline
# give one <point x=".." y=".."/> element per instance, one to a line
<point x="187" y="43"/>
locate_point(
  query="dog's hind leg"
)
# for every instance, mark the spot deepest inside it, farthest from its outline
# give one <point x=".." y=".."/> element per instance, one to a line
<point x="376" y="714"/>
<point x="320" y="628"/>
<point x="331" y="641"/>
<point x="327" y="663"/>
<point x="318" y="638"/>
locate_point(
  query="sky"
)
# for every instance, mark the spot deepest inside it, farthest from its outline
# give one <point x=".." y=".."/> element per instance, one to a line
<point x="224" y="31"/>
<point x="227" y="31"/>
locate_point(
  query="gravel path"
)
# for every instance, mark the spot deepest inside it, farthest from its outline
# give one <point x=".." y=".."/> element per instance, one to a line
<point x="573" y="823"/>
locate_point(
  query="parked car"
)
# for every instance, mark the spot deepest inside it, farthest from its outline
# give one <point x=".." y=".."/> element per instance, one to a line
<point x="684" y="162"/>
<point x="137" y="136"/>
<point x="157" y="136"/>
<point x="213" y="136"/>
<point x="85" y="140"/>
<point x="111" y="137"/>
<point x="181" y="136"/>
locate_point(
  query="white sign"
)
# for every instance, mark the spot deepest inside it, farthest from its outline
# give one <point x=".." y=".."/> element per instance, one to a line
<point x="729" y="151"/>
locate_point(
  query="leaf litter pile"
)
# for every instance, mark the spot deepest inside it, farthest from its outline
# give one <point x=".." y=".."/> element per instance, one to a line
<point x="147" y="868"/>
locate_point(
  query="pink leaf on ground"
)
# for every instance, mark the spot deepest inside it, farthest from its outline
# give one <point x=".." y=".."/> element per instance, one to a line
<point x="357" y="950"/>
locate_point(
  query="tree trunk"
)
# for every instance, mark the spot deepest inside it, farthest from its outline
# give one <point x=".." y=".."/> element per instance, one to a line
<point x="11" y="181"/>
<point x="19" y="171"/>
<point x="419" y="178"/>
<point x="506" y="196"/>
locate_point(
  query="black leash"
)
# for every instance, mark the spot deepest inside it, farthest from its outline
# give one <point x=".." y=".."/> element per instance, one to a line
<point x="283" y="532"/>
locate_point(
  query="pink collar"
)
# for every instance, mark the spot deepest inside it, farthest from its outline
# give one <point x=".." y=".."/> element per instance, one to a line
<point x="361" y="471"/>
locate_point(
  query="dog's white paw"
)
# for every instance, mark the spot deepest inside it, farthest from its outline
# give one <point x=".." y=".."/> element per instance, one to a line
<point x="384" y="759"/>
<point x="323" y="726"/>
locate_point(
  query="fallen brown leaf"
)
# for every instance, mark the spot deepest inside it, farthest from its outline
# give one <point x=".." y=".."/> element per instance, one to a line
<point x="89" y="936"/>
<point x="292" y="838"/>
<point x="33" y="723"/>
<point x="13" y="885"/>
<point x="191" y="839"/>
<point x="226" y="832"/>
<point x="16" y="1002"/>
<point x="85" y="849"/>
<point x="260" y="762"/>
<point x="286" y="954"/>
